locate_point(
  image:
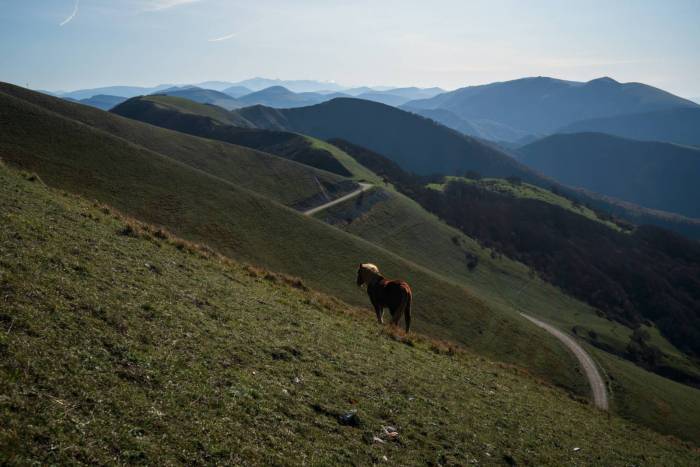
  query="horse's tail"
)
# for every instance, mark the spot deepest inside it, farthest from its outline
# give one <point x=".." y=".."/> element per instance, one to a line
<point x="405" y="306"/>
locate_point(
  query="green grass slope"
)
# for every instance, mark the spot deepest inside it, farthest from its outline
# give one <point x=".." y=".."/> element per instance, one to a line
<point x="137" y="349"/>
<point x="397" y="223"/>
<point x="243" y="225"/>
<point x="526" y="190"/>
<point x="276" y="178"/>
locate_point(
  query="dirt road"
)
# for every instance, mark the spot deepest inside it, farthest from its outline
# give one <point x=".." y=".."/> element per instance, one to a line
<point x="600" y="393"/>
<point x="363" y="187"/>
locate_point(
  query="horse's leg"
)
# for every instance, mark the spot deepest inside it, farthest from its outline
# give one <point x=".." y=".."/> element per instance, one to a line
<point x="380" y="314"/>
<point x="407" y="315"/>
<point x="396" y="315"/>
<point x="379" y="310"/>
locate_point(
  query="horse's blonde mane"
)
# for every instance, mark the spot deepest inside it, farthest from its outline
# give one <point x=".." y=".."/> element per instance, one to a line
<point x="371" y="267"/>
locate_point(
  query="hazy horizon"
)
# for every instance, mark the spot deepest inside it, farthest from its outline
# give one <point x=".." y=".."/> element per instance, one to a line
<point x="67" y="44"/>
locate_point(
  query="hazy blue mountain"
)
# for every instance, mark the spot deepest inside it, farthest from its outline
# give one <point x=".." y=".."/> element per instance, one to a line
<point x="280" y="97"/>
<point x="121" y="91"/>
<point x="204" y="96"/>
<point x="413" y="93"/>
<point x="215" y="85"/>
<point x="384" y="98"/>
<point x="543" y="105"/>
<point x="652" y="174"/>
<point x="408" y="94"/>
<point x="102" y="101"/>
<point x="258" y="84"/>
<point x="416" y="143"/>
<point x="359" y="90"/>
<point x="483" y="129"/>
<point x="681" y="125"/>
<point x="237" y="91"/>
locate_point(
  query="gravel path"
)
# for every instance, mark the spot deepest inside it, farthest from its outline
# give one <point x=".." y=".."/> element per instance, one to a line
<point x="363" y="187"/>
<point x="600" y="393"/>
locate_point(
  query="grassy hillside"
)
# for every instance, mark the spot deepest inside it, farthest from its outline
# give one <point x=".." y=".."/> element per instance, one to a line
<point x="526" y="190"/>
<point x="243" y="225"/>
<point x="209" y="122"/>
<point x="122" y="346"/>
<point x="652" y="174"/>
<point x="276" y="178"/>
<point x="399" y="224"/>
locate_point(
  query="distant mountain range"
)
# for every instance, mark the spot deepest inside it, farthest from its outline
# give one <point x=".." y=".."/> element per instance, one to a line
<point x="258" y="84"/>
<point x="544" y="105"/>
<point x="311" y="91"/>
<point x="237" y="96"/>
<point x="656" y="175"/>
<point x="121" y="91"/>
<point x="512" y="112"/>
<point x="281" y="97"/>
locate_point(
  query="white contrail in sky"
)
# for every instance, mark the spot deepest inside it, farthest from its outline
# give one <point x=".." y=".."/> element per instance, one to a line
<point x="72" y="15"/>
<point x="223" y="38"/>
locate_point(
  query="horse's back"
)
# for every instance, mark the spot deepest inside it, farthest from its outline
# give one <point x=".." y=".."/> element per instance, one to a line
<point x="395" y="291"/>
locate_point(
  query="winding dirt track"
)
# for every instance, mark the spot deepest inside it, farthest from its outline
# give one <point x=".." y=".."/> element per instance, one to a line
<point x="600" y="393"/>
<point x="363" y="187"/>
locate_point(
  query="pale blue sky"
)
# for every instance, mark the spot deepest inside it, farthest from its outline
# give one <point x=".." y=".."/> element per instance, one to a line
<point x="437" y="43"/>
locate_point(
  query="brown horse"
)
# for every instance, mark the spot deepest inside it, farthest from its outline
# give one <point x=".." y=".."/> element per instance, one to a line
<point x="395" y="295"/>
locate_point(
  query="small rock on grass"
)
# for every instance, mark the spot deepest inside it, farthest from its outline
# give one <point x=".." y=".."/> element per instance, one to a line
<point x="350" y="419"/>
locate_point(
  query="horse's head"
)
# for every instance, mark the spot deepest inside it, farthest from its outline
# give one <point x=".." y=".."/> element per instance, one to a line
<point x="365" y="273"/>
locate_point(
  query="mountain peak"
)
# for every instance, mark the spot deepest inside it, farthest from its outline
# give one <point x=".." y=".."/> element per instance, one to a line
<point x="603" y="80"/>
<point x="276" y="90"/>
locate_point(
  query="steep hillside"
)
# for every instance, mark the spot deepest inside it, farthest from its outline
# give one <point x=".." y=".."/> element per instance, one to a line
<point x="605" y="204"/>
<point x="206" y="208"/>
<point x="543" y="105"/>
<point x="656" y="175"/>
<point x="416" y="143"/>
<point x="527" y="191"/>
<point x="484" y="129"/>
<point x="398" y="224"/>
<point x="283" y="181"/>
<point x="680" y="126"/>
<point x="210" y="122"/>
<point x="114" y="353"/>
<point x="203" y="96"/>
<point x="651" y="275"/>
